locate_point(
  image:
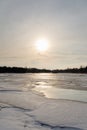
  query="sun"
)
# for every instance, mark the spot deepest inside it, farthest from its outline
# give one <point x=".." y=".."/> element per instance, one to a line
<point x="42" y="45"/>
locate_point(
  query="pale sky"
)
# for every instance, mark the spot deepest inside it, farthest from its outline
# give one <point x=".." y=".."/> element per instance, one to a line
<point x="62" y="22"/>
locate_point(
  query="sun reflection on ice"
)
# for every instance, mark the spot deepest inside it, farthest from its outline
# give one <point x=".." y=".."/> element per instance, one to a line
<point x="42" y="85"/>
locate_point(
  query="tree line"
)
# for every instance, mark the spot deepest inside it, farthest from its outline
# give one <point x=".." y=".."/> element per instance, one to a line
<point x="5" y="69"/>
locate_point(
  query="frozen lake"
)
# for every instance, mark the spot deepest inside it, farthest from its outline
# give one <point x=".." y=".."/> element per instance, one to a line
<point x="56" y="86"/>
<point x="43" y="101"/>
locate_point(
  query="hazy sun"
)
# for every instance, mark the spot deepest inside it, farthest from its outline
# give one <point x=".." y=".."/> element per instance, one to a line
<point x="42" y="45"/>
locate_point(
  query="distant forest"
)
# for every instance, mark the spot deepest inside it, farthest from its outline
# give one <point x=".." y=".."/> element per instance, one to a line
<point x="6" y="69"/>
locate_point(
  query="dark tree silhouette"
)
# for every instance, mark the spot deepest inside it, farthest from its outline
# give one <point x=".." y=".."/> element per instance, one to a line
<point x="6" y="69"/>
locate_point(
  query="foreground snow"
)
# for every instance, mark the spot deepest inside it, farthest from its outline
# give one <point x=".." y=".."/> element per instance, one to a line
<point x="31" y="111"/>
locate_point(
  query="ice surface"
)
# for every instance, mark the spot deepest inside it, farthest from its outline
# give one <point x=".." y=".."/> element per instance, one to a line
<point x="62" y="113"/>
<point x="30" y="110"/>
<point x="34" y="112"/>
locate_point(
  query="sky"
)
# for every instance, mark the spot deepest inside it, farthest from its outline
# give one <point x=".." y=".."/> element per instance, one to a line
<point x="62" y="22"/>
